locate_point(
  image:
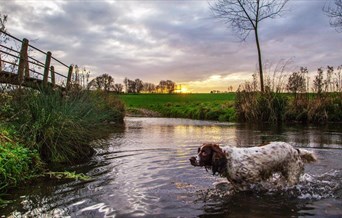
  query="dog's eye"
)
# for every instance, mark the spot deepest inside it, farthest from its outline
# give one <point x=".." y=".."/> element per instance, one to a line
<point x="204" y="153"/>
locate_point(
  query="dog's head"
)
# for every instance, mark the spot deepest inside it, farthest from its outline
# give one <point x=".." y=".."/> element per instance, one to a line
<point x="210" y="156"/>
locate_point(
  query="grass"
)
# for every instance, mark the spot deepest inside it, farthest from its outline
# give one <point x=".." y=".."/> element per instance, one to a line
<point x="60" y="128"/>
<point x="146" y="100"/>
<point x="195" y="106"/>
<point x="17" y="162"/>
<point x="272" y="107"/>
<point x="47" y="127"/>
<point x="245" y="106"/>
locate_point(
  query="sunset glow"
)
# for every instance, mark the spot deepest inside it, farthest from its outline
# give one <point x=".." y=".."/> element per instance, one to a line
<point x="160" y="40"/>
<point x="184" y="90"/>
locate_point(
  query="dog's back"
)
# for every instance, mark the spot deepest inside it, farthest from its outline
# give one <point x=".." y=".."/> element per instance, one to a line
<point x="254" y="164"/>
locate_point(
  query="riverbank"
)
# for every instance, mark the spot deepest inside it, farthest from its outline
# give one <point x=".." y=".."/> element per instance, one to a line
<point x="38" y="129"/>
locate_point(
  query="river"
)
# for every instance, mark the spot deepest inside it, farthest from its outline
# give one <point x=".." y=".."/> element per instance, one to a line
<point x="144" y="170"/>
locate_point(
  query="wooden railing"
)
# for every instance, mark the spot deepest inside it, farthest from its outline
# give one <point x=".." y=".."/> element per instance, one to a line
<point x="18" y="67"/>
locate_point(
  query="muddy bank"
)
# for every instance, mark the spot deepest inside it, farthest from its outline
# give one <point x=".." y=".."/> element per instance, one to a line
<point x="141" y="112"/>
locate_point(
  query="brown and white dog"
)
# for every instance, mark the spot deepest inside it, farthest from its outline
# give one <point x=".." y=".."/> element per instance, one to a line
<point x="245" y="166"/>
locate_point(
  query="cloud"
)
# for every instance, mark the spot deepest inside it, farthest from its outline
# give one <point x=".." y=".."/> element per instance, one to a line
<point x="158" y="40"/>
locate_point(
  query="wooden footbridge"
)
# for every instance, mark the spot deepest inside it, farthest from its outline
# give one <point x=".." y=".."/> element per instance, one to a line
<point x="25" y="65"/>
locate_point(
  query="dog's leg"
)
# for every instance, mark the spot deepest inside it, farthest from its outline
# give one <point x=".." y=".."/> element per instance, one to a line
<point x="295" y="169"/>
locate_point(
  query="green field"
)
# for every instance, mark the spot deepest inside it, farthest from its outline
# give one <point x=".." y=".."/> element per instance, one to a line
<point x="195" y="106"/>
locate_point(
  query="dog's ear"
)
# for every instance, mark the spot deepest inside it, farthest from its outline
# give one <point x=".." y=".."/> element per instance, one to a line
<point x="219" y="160"/>
<point x="217" y="150"/>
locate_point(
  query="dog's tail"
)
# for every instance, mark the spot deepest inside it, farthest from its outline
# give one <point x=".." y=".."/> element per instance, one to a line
<point x="307" y="156"/>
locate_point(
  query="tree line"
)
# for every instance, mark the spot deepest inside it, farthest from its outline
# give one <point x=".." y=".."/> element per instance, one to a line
<point x="106" y="82"/>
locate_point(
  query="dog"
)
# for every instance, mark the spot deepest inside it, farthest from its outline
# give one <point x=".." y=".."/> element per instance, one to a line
<point x="247" y="166"/>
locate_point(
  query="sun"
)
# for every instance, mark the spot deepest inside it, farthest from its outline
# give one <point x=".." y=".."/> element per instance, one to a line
<point x="184" y="90"/>
<point x="181" y="89"/>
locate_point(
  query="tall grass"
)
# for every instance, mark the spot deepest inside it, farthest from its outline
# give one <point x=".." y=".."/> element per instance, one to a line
<point x="297" y="105"/>
<point x="38" y="127"/>
<point x="61" y="127"/>
<point x="252" y="106"/>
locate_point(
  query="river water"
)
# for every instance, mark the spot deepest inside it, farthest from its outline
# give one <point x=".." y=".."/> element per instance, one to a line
<point x="144" y="170"/>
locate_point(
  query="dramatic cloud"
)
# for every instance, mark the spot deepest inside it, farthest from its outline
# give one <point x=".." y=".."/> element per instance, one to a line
<point x="177" y="40"/>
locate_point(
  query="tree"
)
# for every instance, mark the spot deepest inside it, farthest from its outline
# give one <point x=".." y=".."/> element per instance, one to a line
<point x="149" y="87"/>
<point x="126" y="84"/>
<point x="138" y="85"/>
<point x="170" y="86"/>
<point x="131" y="86"/>
<point x="118" y="88"/>
<point x="318" y="81"/>
<point x="245" y="16"/>
<point x="297" y="81"/>
<point x="104" y="82"/>
<point x="167" y="86"/>
<point x="335" y="14"/>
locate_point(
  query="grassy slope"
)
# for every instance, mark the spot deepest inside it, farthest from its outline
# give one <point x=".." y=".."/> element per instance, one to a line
<point x="195" y="106"/>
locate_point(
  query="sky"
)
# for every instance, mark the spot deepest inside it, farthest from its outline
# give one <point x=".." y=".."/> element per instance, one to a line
<point x="176" y="40"/>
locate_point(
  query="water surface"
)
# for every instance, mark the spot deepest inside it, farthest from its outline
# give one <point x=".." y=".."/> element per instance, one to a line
<point x="144" y="170"/>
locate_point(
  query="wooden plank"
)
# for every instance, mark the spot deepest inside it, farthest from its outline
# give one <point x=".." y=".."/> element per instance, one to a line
<point x="12" y="78"/>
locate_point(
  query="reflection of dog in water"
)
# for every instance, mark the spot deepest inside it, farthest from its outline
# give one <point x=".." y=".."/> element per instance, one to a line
<point x="247" y="166"/>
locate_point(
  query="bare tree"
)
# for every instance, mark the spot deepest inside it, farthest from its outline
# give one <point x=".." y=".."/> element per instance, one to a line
<point x="245" y="16"/>
<point x="118" y="88"/>
<point x="104" y="82"/>
<point x="126" y="84"/>
<point x="335" y="14"/>
<point x="297" y="81"/>
<point x="138" y="85"/>
<point x="318" y="82"/>
<point x="149" y="87"/>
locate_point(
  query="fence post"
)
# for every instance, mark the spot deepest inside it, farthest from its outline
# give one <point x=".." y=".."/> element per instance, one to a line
<point x="22" y="60"/>
<point x="71" y="68"/>
<point x="46" y="69"/>
<point x="0" y="63"/>
<point x="27" y="69"/>
<point x="53" y="81"/>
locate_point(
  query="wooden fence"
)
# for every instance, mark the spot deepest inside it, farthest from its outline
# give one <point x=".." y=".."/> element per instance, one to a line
<point x="18" y="67"/>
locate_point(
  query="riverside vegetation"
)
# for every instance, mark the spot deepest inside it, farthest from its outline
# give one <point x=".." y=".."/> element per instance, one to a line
<point x="39" y="129"/>
<point x="285" y="99"/>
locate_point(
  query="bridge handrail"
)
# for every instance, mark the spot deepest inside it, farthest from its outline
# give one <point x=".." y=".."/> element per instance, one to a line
<point x="25" y="59"/>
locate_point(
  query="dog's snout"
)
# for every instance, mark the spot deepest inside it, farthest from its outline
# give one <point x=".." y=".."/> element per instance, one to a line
<point x="193" y="161"/>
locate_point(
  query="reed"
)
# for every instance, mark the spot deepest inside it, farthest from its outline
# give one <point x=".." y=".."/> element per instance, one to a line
<point x="297" y="104"/>
<point x="61" y="127"/>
